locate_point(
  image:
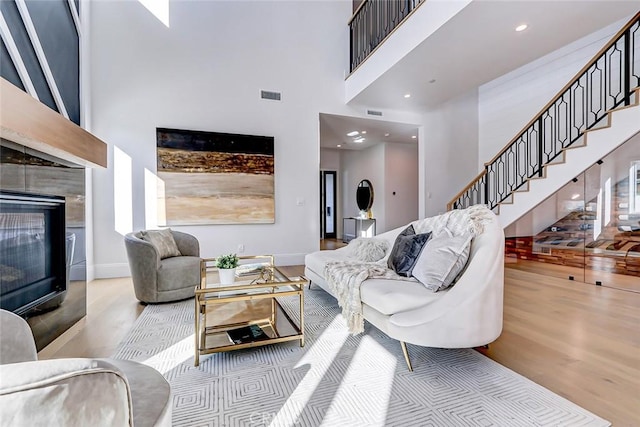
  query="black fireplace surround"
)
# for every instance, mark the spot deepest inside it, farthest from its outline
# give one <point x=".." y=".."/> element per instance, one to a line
<point x="33" y="252"/>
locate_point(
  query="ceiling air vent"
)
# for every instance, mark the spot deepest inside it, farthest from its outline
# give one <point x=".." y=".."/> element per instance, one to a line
<point x="275" y="96"/>
<point x="374" y="113"/>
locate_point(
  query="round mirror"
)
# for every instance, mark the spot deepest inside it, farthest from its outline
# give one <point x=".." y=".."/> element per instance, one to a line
<point x="364" y="195"/>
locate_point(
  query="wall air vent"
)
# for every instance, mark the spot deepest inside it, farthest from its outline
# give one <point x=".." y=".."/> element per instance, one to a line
<point x="275" y="96"/>
<point x="374" y="113"/>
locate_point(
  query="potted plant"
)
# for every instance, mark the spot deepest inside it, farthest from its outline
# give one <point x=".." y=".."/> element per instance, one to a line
<point x="227" y="268"/>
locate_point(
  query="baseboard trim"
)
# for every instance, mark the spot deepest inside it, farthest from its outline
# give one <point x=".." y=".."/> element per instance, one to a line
<point x="91" y="273"/>
<point x="111" y="271"/>
<point x="289" y="259"/>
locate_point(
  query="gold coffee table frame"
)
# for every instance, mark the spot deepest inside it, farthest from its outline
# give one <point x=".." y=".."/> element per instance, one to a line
<point x="251" y="300"/>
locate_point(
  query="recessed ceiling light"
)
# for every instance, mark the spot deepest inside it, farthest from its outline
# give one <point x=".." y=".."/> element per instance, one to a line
<point x="338" y="145"/>
<point x="407" y="95"/>
<point x="413" y="137"/>
<point x="521" y="27"/>
<point x="364" y="132"/>
<point x="353" y="133"/>
<point x="386" y="134"/>
<point x="358" y="140"/>
<point x="575" y="196"/>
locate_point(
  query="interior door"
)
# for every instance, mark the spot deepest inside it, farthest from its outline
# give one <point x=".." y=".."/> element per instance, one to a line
<point x="328" y="201"/>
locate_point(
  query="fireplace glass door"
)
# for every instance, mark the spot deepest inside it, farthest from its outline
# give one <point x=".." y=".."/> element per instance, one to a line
<point x="32" y="250"/>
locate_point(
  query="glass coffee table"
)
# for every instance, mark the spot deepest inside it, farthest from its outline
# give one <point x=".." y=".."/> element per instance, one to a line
<point x="263" y="306"/>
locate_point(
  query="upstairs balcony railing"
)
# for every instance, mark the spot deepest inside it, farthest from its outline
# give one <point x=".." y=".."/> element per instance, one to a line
<point x="608" y="81"/>
<point x="373" y="22"/>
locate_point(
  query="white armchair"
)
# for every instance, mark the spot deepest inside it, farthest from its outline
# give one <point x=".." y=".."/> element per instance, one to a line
<point x="74" y="392"/>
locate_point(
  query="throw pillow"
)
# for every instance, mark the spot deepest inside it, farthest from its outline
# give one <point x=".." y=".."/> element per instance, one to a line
<point x="442" y="260"/>
<point x="367" y="249"/>
<point x="408" y="251"/>
<point x="409" y="231"/>
<point x="163" y="241"/>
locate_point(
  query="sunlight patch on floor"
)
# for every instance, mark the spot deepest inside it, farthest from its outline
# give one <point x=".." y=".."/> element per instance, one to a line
<point x="319" y="358"/>
<point x="372" y="371"/>
<point x="173" y="356"/>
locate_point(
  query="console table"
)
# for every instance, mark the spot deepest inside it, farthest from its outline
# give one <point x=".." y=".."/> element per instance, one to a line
<point x="357" y="227"/>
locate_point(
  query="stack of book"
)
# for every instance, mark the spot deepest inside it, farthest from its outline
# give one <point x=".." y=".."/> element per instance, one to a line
<point x="249" y="269"/>
<point x="247" y="334"/>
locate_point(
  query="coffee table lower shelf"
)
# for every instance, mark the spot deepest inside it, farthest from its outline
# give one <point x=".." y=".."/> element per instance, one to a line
<point x="272" y="319"/>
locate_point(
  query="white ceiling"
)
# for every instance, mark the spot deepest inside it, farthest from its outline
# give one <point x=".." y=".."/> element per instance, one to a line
<point x="479" y="44"/>
<point x="334" y="129"/>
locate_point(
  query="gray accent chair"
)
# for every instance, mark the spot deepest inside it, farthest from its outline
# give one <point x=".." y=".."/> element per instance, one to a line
<point x="75" y="392"/>
<point x="158" y="280"/>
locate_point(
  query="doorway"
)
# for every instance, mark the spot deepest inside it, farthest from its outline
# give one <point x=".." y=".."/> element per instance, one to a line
<point x="328" y="202"/>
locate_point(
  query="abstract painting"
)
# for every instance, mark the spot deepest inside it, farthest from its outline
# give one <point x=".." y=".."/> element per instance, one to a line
<point x="215" y="178"/>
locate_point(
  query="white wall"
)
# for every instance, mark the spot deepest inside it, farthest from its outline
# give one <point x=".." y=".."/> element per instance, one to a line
<point x="204" y="72"/>
<point x="401" y="184"/>
<point x="509" y="102"/>
<point x="391" y="167"/>
<point x="450" y="151"/>
<point x="356" y="166"/>
<point x="329" y="159"/>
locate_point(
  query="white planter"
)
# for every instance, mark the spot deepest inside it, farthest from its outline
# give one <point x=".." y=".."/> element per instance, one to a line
<point x="227" y="275"/>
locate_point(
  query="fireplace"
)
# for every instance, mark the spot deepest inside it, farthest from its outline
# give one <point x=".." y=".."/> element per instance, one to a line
<point x="33" y="252"/>
<point x="42" y="240"/>
<point x="42" y="153"/>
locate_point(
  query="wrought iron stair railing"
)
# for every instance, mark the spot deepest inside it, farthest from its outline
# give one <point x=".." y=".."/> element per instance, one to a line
<point x="608" y="81"/>
<point x="373" y="22"/>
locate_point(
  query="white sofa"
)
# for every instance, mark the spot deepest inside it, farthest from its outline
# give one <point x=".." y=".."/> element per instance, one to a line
<point x="468" y="314"/>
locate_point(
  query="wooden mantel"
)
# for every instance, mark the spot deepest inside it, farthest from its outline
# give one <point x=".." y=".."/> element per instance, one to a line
<point x="26" y="121"/>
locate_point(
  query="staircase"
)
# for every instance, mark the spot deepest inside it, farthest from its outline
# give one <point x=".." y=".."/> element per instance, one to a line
<point x="598" y="110"/>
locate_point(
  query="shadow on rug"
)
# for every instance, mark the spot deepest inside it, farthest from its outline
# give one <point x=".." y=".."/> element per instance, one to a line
<point x="337" y="379"/>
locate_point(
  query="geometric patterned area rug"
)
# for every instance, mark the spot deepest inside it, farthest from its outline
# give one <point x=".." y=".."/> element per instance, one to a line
<point x="337" y="379"/>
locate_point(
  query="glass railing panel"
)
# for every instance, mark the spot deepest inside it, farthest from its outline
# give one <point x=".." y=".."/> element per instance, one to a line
<point x="589" y="230"/>
<point x="550" y="239"/>
<point x="613" y="256"/>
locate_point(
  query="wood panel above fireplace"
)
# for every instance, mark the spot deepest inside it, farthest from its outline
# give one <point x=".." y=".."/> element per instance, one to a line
<point x="26" y="121"/>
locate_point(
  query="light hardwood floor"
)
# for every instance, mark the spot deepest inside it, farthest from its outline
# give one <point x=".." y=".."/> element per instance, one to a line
<point x="610" y="280"/>
<point x="580" y="341"/>
<point x="331" y="244"/>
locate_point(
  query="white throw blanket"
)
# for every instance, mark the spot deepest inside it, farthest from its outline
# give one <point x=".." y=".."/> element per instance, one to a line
<point x="345" y="277"/>
<point x="459" y="221"/>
